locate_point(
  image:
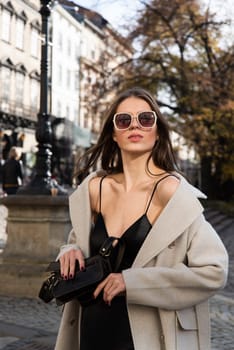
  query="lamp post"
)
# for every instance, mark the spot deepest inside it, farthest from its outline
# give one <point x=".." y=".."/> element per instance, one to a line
<point x="42" y="182"/>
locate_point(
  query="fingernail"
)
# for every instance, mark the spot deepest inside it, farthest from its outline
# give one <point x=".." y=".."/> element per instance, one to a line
<point x="71" y="276"/>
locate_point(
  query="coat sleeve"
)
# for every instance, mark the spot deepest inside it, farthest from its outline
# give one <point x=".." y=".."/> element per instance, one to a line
<point x="197" y="275"/>
<point x="70" y="245"/>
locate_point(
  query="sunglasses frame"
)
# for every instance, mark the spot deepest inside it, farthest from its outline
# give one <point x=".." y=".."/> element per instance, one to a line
<point x="137" y="119"/>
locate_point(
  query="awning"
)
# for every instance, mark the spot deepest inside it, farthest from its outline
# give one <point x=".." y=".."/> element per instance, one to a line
<point x="82" y="136"/>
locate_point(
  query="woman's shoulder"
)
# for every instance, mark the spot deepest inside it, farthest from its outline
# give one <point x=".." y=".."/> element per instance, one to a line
<point x="94" y="180"/>
<point x="94" y="185"/>
<point x="94" y="188"/>
<point x="167" y="186"/>
<point x="87" y="189"/>
<point x="87" y="183"/>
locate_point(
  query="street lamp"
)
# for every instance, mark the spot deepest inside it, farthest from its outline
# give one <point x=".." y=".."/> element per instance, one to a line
<point x="42" y="183"/>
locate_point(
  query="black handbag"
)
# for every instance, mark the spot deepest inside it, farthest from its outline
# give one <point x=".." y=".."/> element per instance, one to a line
<point x="84" y="282"/>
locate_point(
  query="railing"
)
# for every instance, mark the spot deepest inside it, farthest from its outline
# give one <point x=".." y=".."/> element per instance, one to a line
<point x="18" y="110"/>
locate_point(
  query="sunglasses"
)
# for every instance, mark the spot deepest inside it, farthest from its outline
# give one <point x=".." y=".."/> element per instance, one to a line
<point x="145" y="120"/>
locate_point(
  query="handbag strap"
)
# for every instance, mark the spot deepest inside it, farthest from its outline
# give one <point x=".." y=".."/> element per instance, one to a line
<point x="107" y="248"/>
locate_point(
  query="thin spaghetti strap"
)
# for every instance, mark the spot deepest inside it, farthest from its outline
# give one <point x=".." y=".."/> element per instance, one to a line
<point x="100" y="193"/>
<point x="155" y="187"/>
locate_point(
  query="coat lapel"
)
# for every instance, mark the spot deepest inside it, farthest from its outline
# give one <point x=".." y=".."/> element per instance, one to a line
<point x="179" y="213"/>
<point x="80" y="214"/>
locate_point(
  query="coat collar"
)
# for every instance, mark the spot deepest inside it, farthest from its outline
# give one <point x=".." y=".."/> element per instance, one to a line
<point x="80" y="213"/>
<point x="181" y="210"/>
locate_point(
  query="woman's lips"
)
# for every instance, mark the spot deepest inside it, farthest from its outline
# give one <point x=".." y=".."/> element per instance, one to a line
<point x="135" y="137"/>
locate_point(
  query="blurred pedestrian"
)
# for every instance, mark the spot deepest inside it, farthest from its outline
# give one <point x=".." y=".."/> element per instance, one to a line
<point x="12" y="172"/>
<point x="5" y="144"/>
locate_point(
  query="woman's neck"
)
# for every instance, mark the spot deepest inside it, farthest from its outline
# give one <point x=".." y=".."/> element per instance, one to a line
<point x="135" y="172"/>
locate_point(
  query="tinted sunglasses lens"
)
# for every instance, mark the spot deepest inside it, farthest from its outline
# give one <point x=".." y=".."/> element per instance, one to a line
<point x="122" y="120"/>
<point x="146" y="119"/>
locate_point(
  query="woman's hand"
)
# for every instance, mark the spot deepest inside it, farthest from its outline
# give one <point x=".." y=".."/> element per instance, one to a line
<point x="112" y="285"/>
<point x="68" y="262"/>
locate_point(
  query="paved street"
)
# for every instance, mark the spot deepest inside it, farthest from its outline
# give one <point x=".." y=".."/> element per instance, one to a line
<point x="30" y="324"/>
<point x="222" y="305"/>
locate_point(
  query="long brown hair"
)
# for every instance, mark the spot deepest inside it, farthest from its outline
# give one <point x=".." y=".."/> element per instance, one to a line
<point x="107" y="151"/>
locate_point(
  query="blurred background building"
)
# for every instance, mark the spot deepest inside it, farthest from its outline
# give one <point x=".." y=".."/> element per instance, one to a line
<point x="83" y="49"/>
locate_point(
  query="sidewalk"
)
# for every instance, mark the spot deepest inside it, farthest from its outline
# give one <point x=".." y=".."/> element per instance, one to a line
<point x="222" y="323"/>
<point x="30" y="324"/>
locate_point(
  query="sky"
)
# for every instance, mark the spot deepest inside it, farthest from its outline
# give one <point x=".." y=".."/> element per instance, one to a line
<point x="121" y="12"/>
<point x="117" y="12"/>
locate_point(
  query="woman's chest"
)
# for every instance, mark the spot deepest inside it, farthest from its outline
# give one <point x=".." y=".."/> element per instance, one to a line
<point x="121" y="212"/>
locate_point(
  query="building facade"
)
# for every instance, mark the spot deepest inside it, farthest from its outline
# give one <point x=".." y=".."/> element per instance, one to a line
<point x="101" y="51"/>
<point x="19" y="71"/>
<point x="83" y="52"/>
<point x="100" y="69"/>
<point x="65" y="42"/>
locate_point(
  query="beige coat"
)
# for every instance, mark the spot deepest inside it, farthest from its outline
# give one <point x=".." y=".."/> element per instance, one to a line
<point x="181" y="263"/>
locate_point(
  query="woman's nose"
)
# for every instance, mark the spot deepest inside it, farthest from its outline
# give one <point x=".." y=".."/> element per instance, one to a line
<point x="134" y="123"/>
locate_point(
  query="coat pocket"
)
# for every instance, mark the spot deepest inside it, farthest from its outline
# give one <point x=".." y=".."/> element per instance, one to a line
<point x="186" y="330"/>
<point x="187" y="319"/>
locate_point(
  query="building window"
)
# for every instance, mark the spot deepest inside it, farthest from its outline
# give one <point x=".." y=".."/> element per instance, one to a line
<point x="59" y="109"/>
<point x="93" y="54"/>
<point x="34" y="93"/>
<point x="34" y="41"/>
<point x="69" y="47"/>
<point x="67" y="112"/>
<point x="6" y="25"/>
<point x="77" y="52"/>
<point x="60" y="74"/>
<point x="68" y="78"/>
<point x="19" y="33"/>
<point x="60" y="42"/>
<point x="76" y="81"/>
<point x="76" y="114"/>
<point x="6" y="82"/>
<point x="19" y="93"/>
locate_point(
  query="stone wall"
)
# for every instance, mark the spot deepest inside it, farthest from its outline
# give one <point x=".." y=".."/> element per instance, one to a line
<point x="36" y="227"/>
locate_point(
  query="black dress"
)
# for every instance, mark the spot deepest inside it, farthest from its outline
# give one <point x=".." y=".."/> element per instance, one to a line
<point x="107" y="327"/>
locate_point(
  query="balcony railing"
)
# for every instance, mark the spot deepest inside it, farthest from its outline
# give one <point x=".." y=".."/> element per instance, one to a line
<point x="18" y="110"/>
<point x="14" y="115"/>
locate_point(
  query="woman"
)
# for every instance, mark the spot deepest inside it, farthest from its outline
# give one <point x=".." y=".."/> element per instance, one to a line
<point x="12" y="172"/>
<point x="174" y="261"/>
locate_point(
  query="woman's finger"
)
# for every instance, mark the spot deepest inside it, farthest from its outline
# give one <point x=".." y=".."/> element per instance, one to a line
<point x="80" y="258"/>
<point x="75" y="256"/>
<point x="100" y="288"/>
<point x="111" y="286"/>
<point x="64" y="265"/>
<point x="68" y="262"/>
